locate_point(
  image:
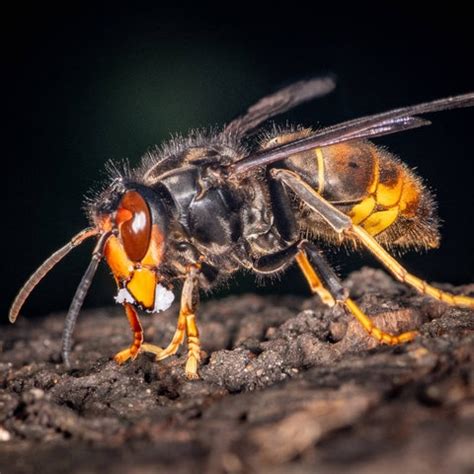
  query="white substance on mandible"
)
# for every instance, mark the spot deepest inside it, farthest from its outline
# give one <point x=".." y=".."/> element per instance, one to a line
<point x="163" y="298"/>
<point x="124" y="296"/>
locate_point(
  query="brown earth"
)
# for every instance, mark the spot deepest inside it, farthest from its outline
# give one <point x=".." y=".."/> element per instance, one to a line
<point x="286" y="386"/>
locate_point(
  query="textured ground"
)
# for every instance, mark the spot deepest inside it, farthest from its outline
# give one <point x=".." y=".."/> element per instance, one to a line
<point x="287" y="387"/>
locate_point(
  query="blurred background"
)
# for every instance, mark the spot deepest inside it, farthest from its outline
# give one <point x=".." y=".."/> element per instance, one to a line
<point x="86" y="86"/>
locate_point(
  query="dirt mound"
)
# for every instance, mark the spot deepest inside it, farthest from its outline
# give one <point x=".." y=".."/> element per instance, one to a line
<point x="287" y="386"/>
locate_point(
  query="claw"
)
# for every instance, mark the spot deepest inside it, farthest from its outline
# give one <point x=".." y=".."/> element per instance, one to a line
<point x="159" y="352"/>
<point x="191" y="369"/>
<point x="122" y="356"/>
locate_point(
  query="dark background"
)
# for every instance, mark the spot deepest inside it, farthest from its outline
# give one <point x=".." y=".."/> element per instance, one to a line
<point x="85" y="86"/>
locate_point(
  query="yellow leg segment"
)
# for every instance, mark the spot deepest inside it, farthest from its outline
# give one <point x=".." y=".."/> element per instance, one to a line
<point x="173" y="346"/>
<point x="194" y="348"/>
<point x="374" y="331"/>
<point x="404" y="276"/>
<point x="134" y="349"/>
<point x="313" y="280"/>
<point x="317" y="286"/>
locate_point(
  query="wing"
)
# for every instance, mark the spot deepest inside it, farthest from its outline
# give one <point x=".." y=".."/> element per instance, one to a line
<point x="393" y="121"/>
<point x="278" y="103"/>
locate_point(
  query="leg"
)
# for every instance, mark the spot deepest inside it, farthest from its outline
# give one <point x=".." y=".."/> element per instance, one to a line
<point x="194" y="348"/>
<point x="343" y="225"/>
<point x="333" y="216"/>
<point x="173" y="346"/>
<point x="186" y="323"/>
<point x="404" y="276"/>
<point x="313" y="280"/>
<point x="338" y="294"/>
<point x="137" y="330"/>
<point x="189" y="303"/>
<point x="275" y="262"/>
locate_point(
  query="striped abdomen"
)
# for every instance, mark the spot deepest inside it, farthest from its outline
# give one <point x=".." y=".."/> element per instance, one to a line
<point x="375" y="189"/>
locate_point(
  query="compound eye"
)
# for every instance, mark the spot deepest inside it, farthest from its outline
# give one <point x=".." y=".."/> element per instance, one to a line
<point x="134" y="221"/>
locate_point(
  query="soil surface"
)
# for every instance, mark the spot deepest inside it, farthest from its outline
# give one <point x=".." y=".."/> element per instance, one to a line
<point x="287" y="386"/>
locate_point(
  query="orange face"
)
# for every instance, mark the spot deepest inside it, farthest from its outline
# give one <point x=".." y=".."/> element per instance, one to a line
<point x="135" y="253"/>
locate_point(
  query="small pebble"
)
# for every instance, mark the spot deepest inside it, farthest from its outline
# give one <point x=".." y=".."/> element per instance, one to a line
<point x="4" y="435"/>
<point x="37" y="393"/>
